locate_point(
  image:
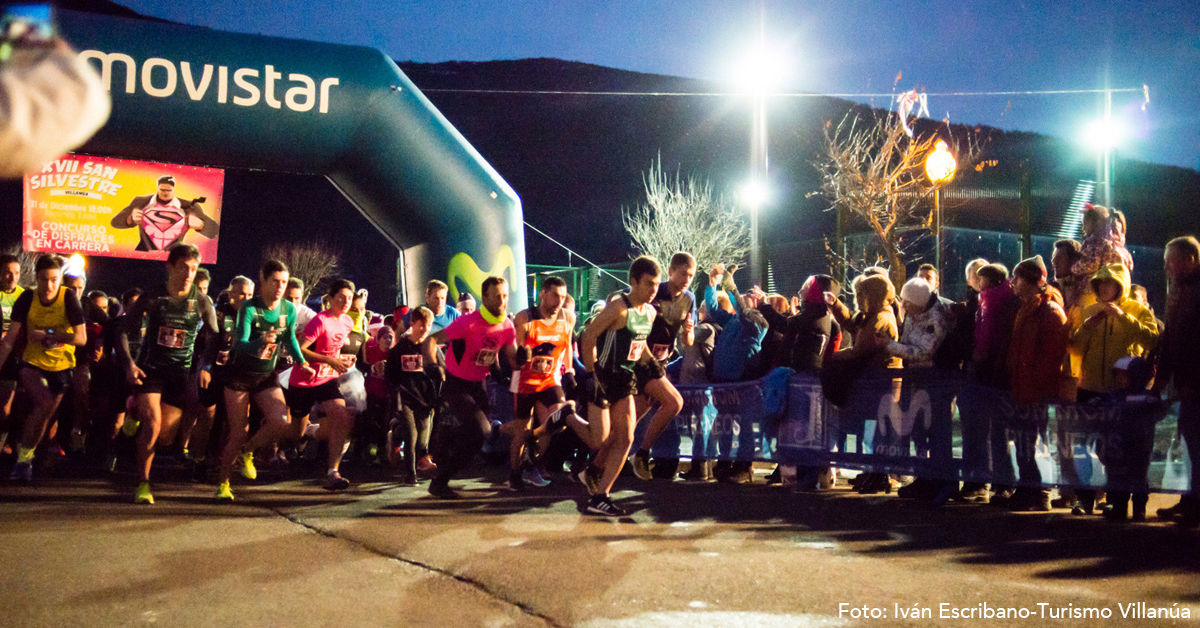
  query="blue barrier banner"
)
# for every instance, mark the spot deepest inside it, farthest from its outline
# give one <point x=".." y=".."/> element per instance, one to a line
<point x="928" y="423"/>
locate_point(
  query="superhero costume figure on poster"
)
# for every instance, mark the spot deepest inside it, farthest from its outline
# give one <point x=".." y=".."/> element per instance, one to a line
<point x="163" y="219"/>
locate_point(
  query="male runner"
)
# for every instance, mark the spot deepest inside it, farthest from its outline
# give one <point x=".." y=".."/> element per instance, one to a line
<point x="544" y="355"/>
<point x="86" y="358"/>
<point x="321" y="345"/>
<point x="173" y="315"/>
<point x="475" y="340"/>
<point x="214" y="371"/>
<point x="51" y="321"/>
<point x="675" y="306"/>
<point x="265" y="324"/>
<point x="10" y="272"/>
<point x="620" y="331"/>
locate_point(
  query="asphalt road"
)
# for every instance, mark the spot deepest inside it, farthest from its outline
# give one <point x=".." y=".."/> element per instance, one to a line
<point x="78" y="553"/>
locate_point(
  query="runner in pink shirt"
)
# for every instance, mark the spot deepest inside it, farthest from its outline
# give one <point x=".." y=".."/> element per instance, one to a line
<point x="321" y="343"/>
<point x="475" y="342"/>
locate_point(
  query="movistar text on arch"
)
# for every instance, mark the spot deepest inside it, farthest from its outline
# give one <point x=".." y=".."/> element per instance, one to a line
<point x="163" y="78"/>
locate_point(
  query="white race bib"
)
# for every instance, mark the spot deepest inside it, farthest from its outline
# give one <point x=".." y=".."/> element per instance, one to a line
<point x="172" y="338"/>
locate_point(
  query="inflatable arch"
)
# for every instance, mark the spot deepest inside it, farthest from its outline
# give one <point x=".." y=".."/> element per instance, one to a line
<point x="199" y="96"/>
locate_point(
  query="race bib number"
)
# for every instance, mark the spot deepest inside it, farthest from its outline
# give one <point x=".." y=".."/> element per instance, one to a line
<point x="378" y="368"/>
<point x="266" y="351"/>
<point x="172" y="338"/>
<point x="636" y="347"/>
<point x="661" y="352"/>
<point x="6" y="316"/>
<point x="222" y="358"/>
<point x="412" y="363"/>
<point x="348" y="360"/>
<point x="485" y="357"/>
<point x="324" y="371"/>
<point x="542" y="365"/>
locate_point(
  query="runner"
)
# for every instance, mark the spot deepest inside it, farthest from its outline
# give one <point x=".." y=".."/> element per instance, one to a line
<point x="544" y="355"/>
<point x="621" y="330"/>
<point x="10" y="273"/>
<point x="412" y="372"/>
<point x="674" y="326"/>
<point x="325" y="334"/>
<point x="476" y="340"/>
<point x="214" y="373"/>
<point x="174" y="315"/>
<point x="86" y="358"/>
<point x="51" y="326"/>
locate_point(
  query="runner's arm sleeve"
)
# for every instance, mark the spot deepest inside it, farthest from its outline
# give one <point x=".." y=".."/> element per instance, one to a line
<point x="133" y="325"/>
<point x="20" y="309"/>
<point x="208" y="314"/>
<point x="74" y="311"/>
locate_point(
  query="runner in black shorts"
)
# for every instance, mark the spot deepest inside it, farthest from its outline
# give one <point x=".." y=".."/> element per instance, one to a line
<point x="10" y="272"/>
<point x="159" y="375"/>
<point x="265" y="324"/>
<point x="610" y="346"/>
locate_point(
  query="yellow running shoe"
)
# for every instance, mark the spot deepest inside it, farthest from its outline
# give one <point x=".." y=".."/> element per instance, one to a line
<point x="142" y="494"/>
<point x="247" y="468"/>
<point x="224" y="493"/>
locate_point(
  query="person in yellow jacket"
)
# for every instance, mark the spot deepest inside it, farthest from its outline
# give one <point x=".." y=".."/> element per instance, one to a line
<point x="1113" y="327"/>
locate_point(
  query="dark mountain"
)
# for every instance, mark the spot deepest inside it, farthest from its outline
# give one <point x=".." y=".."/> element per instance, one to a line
<point x="577" y="159"/>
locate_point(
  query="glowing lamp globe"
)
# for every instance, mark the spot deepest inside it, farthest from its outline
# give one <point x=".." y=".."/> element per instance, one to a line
<point x="940" y="164"/>
<point x="75" y="266"/>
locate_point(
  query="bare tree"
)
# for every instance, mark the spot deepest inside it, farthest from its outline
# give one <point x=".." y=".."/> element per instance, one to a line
<point x="874" y="172"/>
<point x="28" y="260"/>
<point x="685" y="215"/>
<point x="313" y="261"/>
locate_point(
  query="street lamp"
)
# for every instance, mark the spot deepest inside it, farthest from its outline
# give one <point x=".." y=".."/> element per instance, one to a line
<point x="939" y="167"/>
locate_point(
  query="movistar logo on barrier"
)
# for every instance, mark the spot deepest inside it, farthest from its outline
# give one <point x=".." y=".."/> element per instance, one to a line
<point x="161" y="78"/>
<point x="463" y="267"/>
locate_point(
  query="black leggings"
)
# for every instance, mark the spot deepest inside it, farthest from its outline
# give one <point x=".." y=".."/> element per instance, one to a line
<point x="465" y="426"/>
<point x="407" y="426"/>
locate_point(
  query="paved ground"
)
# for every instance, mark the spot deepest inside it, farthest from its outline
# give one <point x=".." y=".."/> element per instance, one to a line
<point x="76" y="553"/>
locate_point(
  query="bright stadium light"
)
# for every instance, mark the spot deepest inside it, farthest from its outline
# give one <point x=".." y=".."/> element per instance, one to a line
<point x="1104" y="134"/>
<point x="755" y="194"/>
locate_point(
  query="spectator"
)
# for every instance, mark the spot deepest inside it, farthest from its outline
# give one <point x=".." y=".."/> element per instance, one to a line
<point x="1129" y="465"/>
<point x="1114" y="327"/>
<point x="1103" y="244"/>
<point x="989" y="363"/>
<point x="1179" y="361"/>
<point x="1035" y="363"/>
<point x="1066" y="254"/>
<point x="921" y="335"/>
<point x="740" y="342"/>
<point x="874" y="325"/>
<point x="813" y="334"/>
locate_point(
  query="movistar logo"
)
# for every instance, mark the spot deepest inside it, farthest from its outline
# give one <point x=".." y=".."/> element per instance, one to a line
<point x="161" y="78"/>
<point x="464" y="268"/>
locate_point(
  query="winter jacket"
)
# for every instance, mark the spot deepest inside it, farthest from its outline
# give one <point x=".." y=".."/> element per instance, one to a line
<point x="921" y="335"/>
<point x="1100" y="346"/>
<point x="1179" y="357"/>
<point x="1105" y="246"/>
<point x="882" y="324"/>
<point x="740" y="342"/>
<point x="1039" y="345"/>
<point x="810" y="337"/>
<point x="998" y="307"/>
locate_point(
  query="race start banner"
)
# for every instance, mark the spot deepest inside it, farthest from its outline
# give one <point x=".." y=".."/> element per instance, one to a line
<point x="121" y="208"/>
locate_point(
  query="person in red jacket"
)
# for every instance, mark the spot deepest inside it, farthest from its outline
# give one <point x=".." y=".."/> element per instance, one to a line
<point x="1035" y="364"/>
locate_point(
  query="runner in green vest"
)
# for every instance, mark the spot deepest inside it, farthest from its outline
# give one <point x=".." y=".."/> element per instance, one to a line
<point x="611" y="345"/>
<point x="265" y="325"/>
<point x="159" y="376"/>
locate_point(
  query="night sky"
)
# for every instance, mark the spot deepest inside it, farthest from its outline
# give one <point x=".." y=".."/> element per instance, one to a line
<point x="821" y="46"/>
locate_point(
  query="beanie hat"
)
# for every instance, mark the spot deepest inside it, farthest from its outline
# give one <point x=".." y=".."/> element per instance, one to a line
<point x="916" y="291"/>
<point x="1032" y="270"/>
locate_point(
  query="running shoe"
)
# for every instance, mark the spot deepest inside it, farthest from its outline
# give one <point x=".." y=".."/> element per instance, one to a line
<point x="515" y="482"/>
<point x="335" y="482"/>
<point x="130" y="426"/>
<point x="602" y="505"/>
<point x="442" y="490"/>
<point x="224" y="493"/>
<point x="247" y="466"/>
<point x="142" y="494"/>
<point x="640" y="461"/>
<point x="589" y="479"/>
<point x="22" y="472"/>
<point x="426" y="466"/>
<point x="533" y="477"/>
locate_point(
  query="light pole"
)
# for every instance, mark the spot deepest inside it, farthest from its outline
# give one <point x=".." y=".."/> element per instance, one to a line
<point x="939" y="167"/>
